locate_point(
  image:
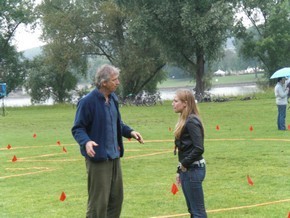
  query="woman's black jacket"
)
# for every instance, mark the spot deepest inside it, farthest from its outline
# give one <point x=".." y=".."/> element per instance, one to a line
<point x="190" y="145"/>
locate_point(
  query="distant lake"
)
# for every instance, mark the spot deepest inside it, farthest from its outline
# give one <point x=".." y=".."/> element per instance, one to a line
<point x="21" y="101"/>
<point x="166" y="94"/>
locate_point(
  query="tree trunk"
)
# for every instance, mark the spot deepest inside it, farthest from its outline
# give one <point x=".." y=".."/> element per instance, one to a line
<point x="199" y="88"/>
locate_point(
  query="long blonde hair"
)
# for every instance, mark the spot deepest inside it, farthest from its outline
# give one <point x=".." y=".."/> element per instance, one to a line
<point x="185" y="96"/>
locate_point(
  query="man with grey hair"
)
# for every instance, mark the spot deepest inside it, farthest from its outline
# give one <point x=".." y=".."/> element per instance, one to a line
<point x="98" y="129"/>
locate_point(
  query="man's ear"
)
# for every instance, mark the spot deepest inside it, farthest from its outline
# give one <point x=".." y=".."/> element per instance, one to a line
<point x="103" y="84"/>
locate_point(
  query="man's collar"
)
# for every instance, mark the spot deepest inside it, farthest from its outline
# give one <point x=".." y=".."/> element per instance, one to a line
<point x="101" y="95"/>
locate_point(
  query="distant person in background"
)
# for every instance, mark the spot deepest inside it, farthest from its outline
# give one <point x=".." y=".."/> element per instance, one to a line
<point x="281" y="94"/>
<point x="189" y="140"/>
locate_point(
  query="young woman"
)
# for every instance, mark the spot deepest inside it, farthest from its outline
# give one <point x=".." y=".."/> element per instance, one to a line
<point x="189" y="139"/>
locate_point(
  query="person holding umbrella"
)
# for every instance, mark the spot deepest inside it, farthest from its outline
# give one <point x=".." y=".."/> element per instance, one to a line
<point x="281" y="94"/>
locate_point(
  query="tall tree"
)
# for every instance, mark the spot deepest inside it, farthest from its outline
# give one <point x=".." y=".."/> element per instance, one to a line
<point x="189" y="32"/>
<point x="37" y="83"/>
<point x="13" y="13"/>
<point x="102" y="28"/>
<point x="62" y="55"/>
<point x="268" y="39"/>
<point x="138" y="56"/>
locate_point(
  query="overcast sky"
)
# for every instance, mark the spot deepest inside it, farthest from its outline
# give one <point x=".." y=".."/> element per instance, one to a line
<point x="25" y="38"/>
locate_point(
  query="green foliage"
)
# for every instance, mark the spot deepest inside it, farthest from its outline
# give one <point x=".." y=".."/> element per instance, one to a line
<point x="103" y="28"/>
<point x="267" y="41"/>
<point x="12" y="14"/>
<point x="12" y="70"/>
<point x="65" y="63"/>
<point x="47" y="80"/>
<point x="63" y="58"/>
<point x="231" y="61"/>
<point x="138" y="36"/>
<point x="185" y="30"/>
<point x="37" y="83"/>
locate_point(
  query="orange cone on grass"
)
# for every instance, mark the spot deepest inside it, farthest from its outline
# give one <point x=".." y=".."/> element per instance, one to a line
<point x="64" y="149"/>
<point x="14" y="159"/>
<point x="250" y="181"/>
<point x="174" y="189"/>
<point x="62" y="196"/>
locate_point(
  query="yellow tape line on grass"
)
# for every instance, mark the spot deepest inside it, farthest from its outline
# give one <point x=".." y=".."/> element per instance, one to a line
<point x="147" y="155"/>
<point x="39" y="170"/>
<point x="229" y="209"/>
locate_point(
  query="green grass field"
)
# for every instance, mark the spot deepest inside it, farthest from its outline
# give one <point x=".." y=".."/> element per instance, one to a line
<point x="31" y="186"/>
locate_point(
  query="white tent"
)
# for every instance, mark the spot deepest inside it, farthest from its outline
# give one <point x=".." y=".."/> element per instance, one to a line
<point x="219" y="73"/>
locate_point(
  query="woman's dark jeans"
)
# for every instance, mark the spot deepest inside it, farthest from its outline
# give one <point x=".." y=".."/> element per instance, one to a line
<point x="191" y="182"/>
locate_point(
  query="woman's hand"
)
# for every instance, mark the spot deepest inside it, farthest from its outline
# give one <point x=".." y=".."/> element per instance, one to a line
<point x="182" y="168"/>
<point x="178" y="182"/>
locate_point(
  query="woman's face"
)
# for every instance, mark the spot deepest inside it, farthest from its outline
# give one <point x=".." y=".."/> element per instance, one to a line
<point x="178" y="105"/>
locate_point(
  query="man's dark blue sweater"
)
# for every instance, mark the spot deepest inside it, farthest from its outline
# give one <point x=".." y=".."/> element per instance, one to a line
<point x="90" y="125"/>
